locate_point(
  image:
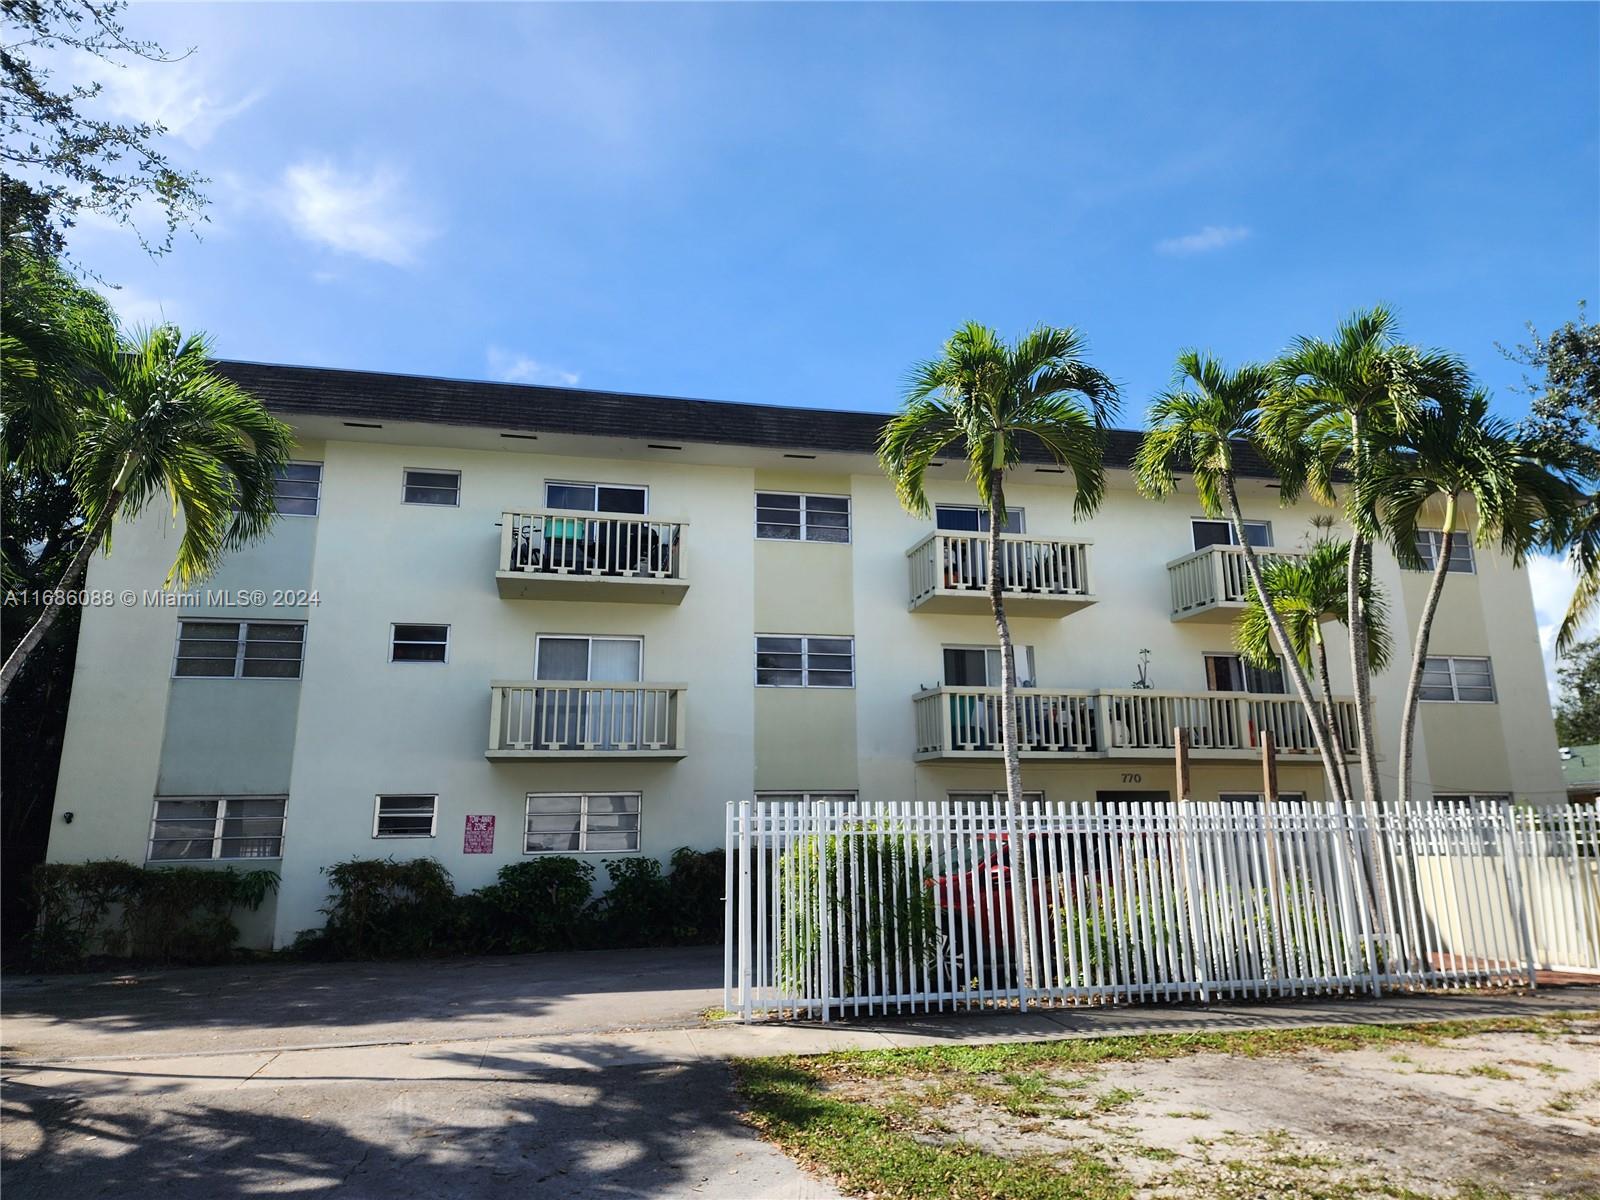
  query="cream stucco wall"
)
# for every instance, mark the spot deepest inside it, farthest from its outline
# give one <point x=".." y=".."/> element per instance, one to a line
<point x="357" y="725"/>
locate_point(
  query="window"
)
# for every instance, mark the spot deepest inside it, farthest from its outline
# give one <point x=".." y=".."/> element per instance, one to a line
<point x="588" y="659"/>
<point x="297" y="489"/>
<point x="405" y="816"/>
<point x="419" y="643"/>
<point x="1220" y="533"/>
<point x="1472" y="797"/>
<point x="240" y="649"/>
<point x="969" y="518"/>
<point x="432" y="487"/>
<point x="783" y="516"/>
<point x="1464" y="680"/>
<point x="803" y="797"/>
<point x="979" y="666"/>
<point x="1461" y="561"/>
<point x="596" y="497"/>
<point x="187" y="828"/>
<point x="1230" y="673"/>
<point x="563" y="822"/>
<point x="1258" y="797"/>
<point x="805" y="662"/>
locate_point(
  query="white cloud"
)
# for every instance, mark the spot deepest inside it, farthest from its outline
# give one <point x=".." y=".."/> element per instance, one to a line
<point x="512" y="367"/>
<point x="371" y="214"/>
<point x="1552" y="580"/>
<point x="182" y="95"/>
<point x="137" y="309"/>
<point x="1203" y="241"/>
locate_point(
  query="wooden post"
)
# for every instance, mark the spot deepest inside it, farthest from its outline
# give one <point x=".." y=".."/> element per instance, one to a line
<point x="1180" y="753"/>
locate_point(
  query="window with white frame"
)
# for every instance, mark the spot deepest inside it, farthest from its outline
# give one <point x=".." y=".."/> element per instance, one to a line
<point x="1208" y="532"/>
<point x="1472" y="797"/>
<point x="597" y="497"/>
<point x="197" y="828"/>
<point x="240" y="649"/>
<point x="405" y="817"/>
<point x="794" y="517"/>
<point x="808" y="797"/>
<point x="1462" y="680"/>
<point x="1230" y="673"/>
<point x="1461" y="561"/>
<point x="419" y="643"/>
<point x="1259" y="797"/>
<point x="426" y="486"/>
<point x="297" y="489"/>
<point x="820" y="662"/>
<point x="581" y="822"/>
<point x="979" y="666"/>
<point x="971" y="518"/>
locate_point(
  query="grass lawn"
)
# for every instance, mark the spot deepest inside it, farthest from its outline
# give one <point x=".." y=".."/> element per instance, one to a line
<point x="1336" y="1112"/>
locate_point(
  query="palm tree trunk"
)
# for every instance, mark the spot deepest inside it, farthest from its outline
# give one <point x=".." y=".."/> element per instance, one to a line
<point x="1361" y="676"/>
<point x="1331" y="764"/>
<point x="70" y="578"/>
<point x="1419" y="655"/>
<point x="1022" y="897"/>
<point x="1329" y="720"/>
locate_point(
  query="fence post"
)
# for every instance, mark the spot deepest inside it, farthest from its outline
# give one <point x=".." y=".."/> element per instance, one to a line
<point x="1269" y="812"/>
<point x="746" y="917"/>
<point x="819" y="834"/>
<point x="1197" y="924"/>
<point x="1505" y="823"/>
<point x="729" y="933"/>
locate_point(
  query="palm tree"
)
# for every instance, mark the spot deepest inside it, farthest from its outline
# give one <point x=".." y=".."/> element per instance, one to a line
<point x="1454" y="456"/>
<point x="162" y="422"/>
<point x="1581" y="540"/>
<point x="984" y="399"/>
<point x="1335" y="405"/>
<point x="1308" y="593"/>
<point x="1199" y="424"/>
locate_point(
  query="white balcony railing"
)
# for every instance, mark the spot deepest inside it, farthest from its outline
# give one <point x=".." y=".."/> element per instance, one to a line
<point x="1213" y="577"/>
<point x="551" y="719"/>
<point x="965" y="721"/>
<point x="556" y="553"/>
<point x="1033" y="569"/>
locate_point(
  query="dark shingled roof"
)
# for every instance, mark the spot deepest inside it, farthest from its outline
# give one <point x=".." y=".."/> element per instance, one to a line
<point x="517" y="407"/>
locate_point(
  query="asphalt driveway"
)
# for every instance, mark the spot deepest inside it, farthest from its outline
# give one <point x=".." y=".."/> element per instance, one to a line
<point x="273" y="1005"/>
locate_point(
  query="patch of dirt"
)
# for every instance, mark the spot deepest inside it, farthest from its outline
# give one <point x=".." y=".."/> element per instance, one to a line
<point x="1511" y="1112"/>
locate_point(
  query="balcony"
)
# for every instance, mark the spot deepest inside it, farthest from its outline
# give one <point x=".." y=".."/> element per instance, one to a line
<point x="1211" y="584"/>
<point x="964" y="722"/>
<point x="539" y="719"/>
<point x="555" y="554"/>
<point x="1042" y="577"/>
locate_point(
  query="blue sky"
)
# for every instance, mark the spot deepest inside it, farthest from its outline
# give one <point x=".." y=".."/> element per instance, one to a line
<point x="791" y="204"/>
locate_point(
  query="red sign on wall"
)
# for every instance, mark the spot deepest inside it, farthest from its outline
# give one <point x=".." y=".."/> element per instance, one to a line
<point x="479" y="838"/>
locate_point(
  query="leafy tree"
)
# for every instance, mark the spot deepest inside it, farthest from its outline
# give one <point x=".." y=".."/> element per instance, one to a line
<point x="59" y="160"/>
<point x="162" y="422"/>
<point x="1307" y="594"/>
<point x="1335" y="405"/>
<point x="983" y="399"/>
<point x="1578" y="709"/>
<point x="1565" y="417"/>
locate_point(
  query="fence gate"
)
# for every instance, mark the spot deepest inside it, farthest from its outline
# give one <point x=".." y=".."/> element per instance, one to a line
<point x="855" y="908"/>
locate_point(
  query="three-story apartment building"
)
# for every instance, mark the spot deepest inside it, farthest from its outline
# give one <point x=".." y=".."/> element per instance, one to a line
<point x="496" y="620"/>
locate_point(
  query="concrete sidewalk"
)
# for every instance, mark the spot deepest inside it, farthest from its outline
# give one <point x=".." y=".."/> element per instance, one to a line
<point x="509" y="1059"/>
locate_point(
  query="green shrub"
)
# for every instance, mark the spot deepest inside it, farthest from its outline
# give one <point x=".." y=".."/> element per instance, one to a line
<point x="382" y="908"/>
<point x="696" y="884"/>
<point x="167" y="914"/>
<point x="539" y="904"/>
<point x="636" y="910"/>
<point x="883" y="926"/>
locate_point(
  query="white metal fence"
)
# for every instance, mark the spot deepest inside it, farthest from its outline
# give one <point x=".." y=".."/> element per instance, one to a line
<point x="851" y="908"/>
